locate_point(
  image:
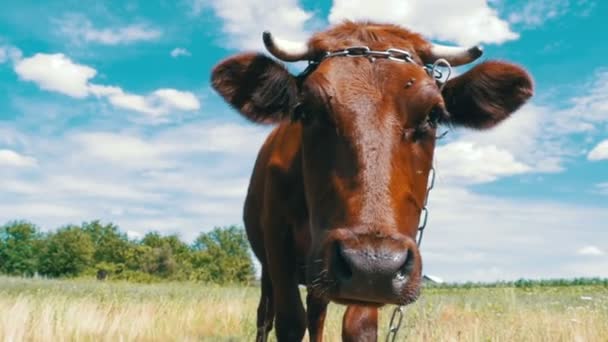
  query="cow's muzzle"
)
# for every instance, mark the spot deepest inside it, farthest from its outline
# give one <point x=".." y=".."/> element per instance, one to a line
<point x="375" y="268"/>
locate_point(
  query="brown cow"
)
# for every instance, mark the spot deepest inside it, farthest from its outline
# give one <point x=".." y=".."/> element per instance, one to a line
<point x="337" y="191"/>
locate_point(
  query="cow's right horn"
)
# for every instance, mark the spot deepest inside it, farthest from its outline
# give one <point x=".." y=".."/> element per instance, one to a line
<point x="455" y="55"/>
<point x="286" y="50"/>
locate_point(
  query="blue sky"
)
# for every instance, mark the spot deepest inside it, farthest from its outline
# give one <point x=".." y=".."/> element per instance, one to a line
<point x="106" y="112"/>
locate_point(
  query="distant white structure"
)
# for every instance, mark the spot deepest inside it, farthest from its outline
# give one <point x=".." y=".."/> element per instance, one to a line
<point x="432" y="279"/>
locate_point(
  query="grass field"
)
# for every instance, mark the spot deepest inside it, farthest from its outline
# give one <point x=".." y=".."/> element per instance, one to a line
<point x="81" y="310"/>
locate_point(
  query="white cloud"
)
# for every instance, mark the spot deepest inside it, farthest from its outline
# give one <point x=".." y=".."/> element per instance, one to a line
<point x="467" y="162"/>
<point x="587" y="112"/>
<point x="599" y="152"/>
<point x="39" y="210"/>
<point x="120" y="150"/>
<point x="177" y="52"/>
<point x="173" y="179"/>
<point x="160" y="102"/>
<point x="14" y="159"/>
<point x="97" y="188"/>
<point x="519" y="145"/>
<point x="80" y="30"/>
<point x="101" y="90"/>
<point x="463" y="22"/>
<point x="134" y="102"/>
<point x="534" y="14"/>
<point x="590" y="250"/>
<point x="181" y="100"/>
<point x="56" y="72"/>
<point x="602" y="188"/>
<point x="245" y="20"/>
<point x="516" y="236"/>
<point x="9" y="53"/>
<point x="530" y="15"/>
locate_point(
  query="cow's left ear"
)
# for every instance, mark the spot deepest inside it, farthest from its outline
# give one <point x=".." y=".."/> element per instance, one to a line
<point x="487" y="94"/>
<point x="261" y="89"/>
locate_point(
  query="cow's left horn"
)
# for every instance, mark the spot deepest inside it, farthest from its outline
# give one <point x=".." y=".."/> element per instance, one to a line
<point x="455" y="55"/>
<point x="286" y="50"/>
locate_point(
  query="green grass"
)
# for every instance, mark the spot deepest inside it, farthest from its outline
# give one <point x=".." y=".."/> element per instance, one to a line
<point x="86" y="310"/>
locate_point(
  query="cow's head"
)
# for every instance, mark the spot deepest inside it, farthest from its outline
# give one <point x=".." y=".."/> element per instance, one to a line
<point x="368" y="131"/>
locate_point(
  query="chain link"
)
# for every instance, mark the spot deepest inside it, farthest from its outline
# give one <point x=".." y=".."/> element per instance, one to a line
<point x="393" y="329"/>
<point x="364" y="51"/>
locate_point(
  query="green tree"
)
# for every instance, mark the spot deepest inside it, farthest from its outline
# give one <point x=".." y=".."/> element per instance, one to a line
<point x="67" y="252"/>
<point x="19" y="248"/>
<point x="222" y="256"/>
<point x="165" y="256"/>
<point x="112" y="247"/>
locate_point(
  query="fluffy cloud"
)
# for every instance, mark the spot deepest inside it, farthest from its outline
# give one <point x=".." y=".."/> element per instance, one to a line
<point x="464" y="22"/>
<point x="602" y="188"/>
<point x="14" y="159"/>
<point x="160" y="102"/>
<point x="177" y="52"/>
<point x="176" y="179"/>
<point x="244" y="26"/>
<point x="519" y="145"/>
<point x="542" y="138"/>
<point x="467" y="162"/>
<point x="473" y="236"/>
<point x="56" y="72"/>
<point x="177" y="99"/>
<point x="9" y="53"/>
<point x="599" y="152"/>
<point x="587" y="112"/>
<point x="590" y="250"/>
<point x="533" y="14"/>
<point x="80" y="30"/>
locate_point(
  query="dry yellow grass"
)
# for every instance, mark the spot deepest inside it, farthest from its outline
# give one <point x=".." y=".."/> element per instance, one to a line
<point x="51" y="310"/>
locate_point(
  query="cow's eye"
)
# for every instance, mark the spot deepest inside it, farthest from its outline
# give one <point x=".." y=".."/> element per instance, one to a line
<point x="428" y="125"/>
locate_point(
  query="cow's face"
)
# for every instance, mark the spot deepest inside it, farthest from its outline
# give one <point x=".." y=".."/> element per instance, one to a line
<point x="368" y="129"/>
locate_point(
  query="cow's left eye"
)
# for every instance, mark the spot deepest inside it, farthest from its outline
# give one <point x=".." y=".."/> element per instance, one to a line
<point x="437" y="115"/>
<point x="427" y="127"/>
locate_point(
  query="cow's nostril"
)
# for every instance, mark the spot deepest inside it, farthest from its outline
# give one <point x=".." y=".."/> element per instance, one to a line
<point x="341" y="267"/>
<point x="407" y="267"/>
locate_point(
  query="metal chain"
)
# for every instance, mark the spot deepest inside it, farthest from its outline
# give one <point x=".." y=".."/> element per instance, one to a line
<point x="364" y="51"/>
<point x="394" y="327"/>
<point x="425" y="209"/>
<point x="392" y="54"/>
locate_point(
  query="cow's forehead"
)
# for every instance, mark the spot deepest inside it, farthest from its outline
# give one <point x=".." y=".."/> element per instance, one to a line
<point x="350" y="34"/>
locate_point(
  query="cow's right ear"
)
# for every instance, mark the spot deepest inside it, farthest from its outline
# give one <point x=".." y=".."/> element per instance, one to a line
<point x="257" y="86"/>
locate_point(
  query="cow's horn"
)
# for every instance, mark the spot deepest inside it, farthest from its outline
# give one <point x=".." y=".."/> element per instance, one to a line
<point x="455" y="55"/>
<point x="286" y="50"/>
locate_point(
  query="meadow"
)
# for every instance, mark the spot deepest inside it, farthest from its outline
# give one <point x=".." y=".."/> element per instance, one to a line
<point x="88" y="310"/>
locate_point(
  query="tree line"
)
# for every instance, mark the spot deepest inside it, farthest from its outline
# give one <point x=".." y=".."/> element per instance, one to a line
<point x="93" y="248"/>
